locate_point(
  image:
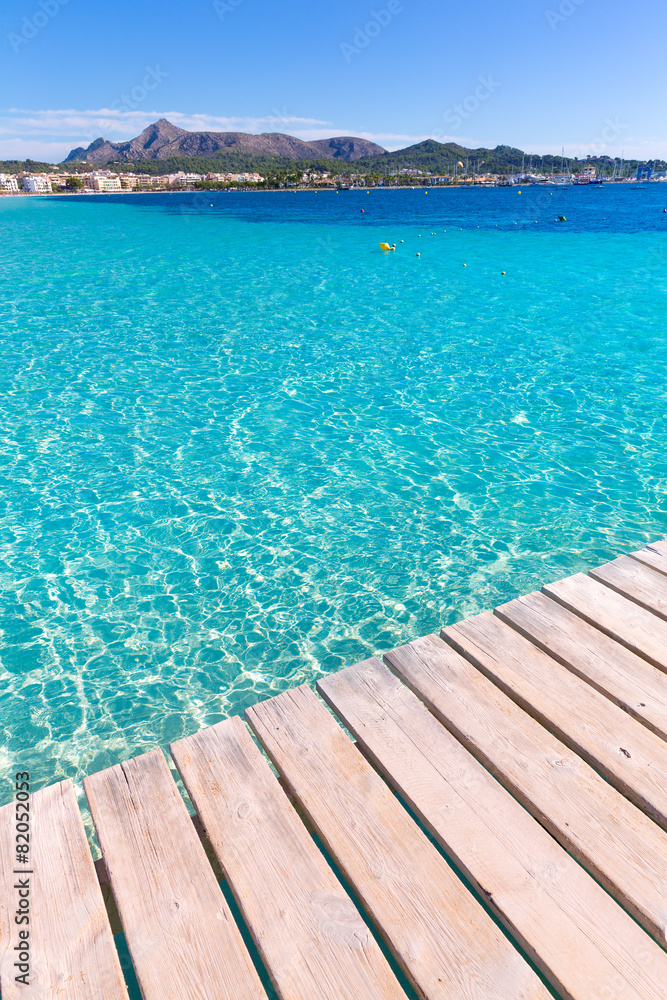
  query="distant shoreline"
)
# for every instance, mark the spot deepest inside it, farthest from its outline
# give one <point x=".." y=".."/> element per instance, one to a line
<point x="315" y="190"/>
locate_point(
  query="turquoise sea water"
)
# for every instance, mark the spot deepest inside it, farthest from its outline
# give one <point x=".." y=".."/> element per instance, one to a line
<point x="241" y="447"/>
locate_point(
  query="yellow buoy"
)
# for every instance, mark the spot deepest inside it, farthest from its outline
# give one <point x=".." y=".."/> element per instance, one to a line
<point x="385" y="246"/>
<point x="519" y="192"/>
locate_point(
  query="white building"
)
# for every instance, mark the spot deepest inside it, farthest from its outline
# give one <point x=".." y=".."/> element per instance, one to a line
<point x="242" y="178"/>
<point x="183" y="180"/>
<point x="9" y="183"/>
<point x="106" y="183"/>
<point x="246" y="178"/>
<point x="37" y="185"/>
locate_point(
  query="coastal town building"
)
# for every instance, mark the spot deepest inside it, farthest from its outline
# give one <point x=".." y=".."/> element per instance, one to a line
<point x="9" y="184"/>
<point x="247" y="178"/>
<point x="182" y="179"/>
<point x="37" y="185"/>
<point x="106" y="183"/>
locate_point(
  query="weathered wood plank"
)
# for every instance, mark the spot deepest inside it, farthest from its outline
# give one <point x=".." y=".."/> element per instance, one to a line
<point x="182" y="938"/>
<point x="441" y="936"/>
<point x="610" y="837"/>
<point x="636" y="686"/>
<point x="639" y="630"/>
<point x="583" y="942"/>
<point x="631" y="758"/>
<point x="653" y="557"/>
<point x="637" y="582"/>
<point x="311" y="937"/>
<point x="72" y="953"/>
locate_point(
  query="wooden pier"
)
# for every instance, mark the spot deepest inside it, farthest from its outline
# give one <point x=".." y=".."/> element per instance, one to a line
<point x="495" y="829"/>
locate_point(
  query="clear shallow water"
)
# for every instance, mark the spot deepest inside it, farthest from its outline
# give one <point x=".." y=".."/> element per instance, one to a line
<point x="240" y="447"/>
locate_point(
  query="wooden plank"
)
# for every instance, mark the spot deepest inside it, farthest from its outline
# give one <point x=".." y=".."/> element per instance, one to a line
<point x="629" y="756"/>
<point x="182" y="938"/>
<point x="636" y="686"/>
<point x="640" y="631"/>
<point x="653" y="557"/>
<point x="310" y="935"/>
<point x="582" y="941"/>
<point x="616" y="842"/>
<point x="72" y="953"/>
<point x="444" y="940"/>
<point x="637" y="582"/>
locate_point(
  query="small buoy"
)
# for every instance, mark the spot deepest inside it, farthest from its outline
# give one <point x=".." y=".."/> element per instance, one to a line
<point x="519" y="192"/>
<point x="419" y="255"/>
<point x="362" y="210"/>
<point x="402" y="241"/>
<point x="551" y="194"/>
<point x="664" y="209"/>
<point x="420" y="236"/>
<point x="503" y="272"/>
<point x="460" y="230"/>
<point x="465" y="265"/>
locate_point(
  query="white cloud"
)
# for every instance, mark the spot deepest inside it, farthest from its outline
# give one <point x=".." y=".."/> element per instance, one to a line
<point x="51" y="133"/>
<point x="32" y="149"/>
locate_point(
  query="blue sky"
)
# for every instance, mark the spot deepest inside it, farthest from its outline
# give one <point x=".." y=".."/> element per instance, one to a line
<point x="538" y="74"/>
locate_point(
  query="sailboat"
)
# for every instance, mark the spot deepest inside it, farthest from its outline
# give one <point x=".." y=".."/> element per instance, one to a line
<point x="561" y="183"/>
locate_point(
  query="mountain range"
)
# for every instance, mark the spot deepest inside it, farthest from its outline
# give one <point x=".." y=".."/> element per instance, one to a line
<point x="165" y="148"/>
<point x="163" y="141"/>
